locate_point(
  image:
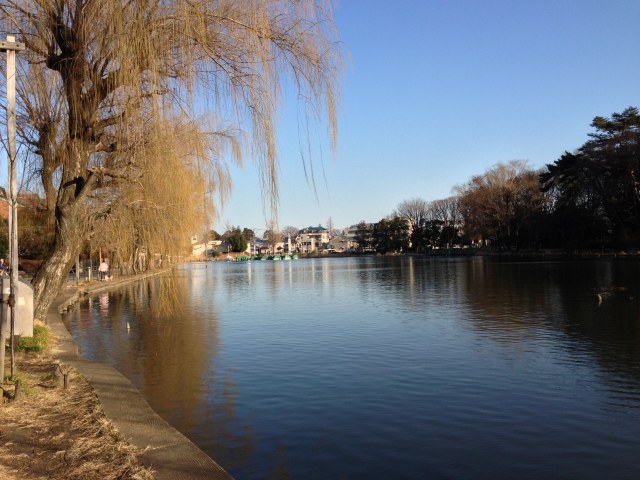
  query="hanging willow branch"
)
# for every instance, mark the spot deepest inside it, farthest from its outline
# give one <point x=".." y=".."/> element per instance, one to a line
<point x="116" y="85"/>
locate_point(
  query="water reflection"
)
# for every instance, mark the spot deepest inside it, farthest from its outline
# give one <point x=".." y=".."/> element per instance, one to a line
<point x="515" y="303"/>
<point x="104" y="305"/>
<point x="386" y="367"/>
<point x="518" y="303"/>
<point x="173" y="363"/>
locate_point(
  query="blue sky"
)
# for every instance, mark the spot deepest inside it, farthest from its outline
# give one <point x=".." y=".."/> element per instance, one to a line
<point x="437" y="91"/>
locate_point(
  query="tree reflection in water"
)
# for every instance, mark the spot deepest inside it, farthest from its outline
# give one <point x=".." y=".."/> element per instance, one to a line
<point x="172" y="359"/>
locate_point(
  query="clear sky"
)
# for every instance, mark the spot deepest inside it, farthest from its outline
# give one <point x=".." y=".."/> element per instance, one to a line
<point x="437" y="91"/>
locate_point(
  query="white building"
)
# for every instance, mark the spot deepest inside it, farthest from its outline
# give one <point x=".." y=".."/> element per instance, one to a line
<point x="312" y="238"/>
<point x="199" y="248"/>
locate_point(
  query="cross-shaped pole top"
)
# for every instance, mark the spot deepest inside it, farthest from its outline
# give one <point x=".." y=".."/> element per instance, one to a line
<point x="9" y="44"/>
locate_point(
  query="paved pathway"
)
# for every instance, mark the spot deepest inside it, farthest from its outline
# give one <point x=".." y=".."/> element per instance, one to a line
<point x="167" y="451"/>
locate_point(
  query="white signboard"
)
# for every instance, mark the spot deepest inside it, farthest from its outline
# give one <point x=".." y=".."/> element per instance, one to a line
<point x="24" y="308"/>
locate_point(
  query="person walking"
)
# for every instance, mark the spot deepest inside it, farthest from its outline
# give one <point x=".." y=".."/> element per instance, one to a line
<point x="103" y="269"/>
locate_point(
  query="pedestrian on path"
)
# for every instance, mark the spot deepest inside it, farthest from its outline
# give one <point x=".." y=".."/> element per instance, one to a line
<point x="103" y="269"/>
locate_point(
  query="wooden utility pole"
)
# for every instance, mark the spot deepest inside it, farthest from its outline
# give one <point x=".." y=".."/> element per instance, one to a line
<point x="11" y="47"/>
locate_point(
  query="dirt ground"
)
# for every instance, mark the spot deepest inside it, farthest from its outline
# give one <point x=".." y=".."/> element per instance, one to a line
<point x="54" y="433"/>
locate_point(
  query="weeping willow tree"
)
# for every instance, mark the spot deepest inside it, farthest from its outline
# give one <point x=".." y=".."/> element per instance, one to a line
<point x="156" y="213"/>
<point x="130" y="110"/>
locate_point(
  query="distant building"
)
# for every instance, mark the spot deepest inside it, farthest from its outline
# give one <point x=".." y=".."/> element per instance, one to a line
<point x="360" y="236"/>
<point x="199" y="249"/>
<point x="312" y="238"/>
<point x="29" y="201"/>
<point x="259" y="246"/>
<point x="341" y="244"/>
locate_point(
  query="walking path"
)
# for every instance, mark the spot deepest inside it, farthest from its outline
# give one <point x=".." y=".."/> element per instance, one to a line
<point x="172" y="455"/>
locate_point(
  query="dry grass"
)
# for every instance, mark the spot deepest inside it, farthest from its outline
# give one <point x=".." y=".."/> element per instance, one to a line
<point x="52" y="433"/>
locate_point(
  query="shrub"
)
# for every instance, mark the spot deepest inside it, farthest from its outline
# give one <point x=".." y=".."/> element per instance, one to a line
<point x="40" y="340"/>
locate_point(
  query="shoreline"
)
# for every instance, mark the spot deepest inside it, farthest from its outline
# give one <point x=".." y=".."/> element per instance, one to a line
<point x="545" y="254"/>
<point x="171" y="454"/>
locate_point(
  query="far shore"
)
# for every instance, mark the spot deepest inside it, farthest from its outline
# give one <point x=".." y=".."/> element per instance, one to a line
<point x="507" y="254"/>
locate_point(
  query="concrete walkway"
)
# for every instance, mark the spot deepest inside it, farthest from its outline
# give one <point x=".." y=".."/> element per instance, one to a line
<point x="167" y="451"/>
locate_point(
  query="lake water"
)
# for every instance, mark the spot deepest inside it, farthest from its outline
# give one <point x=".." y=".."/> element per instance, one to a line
<point x="393" y="368"/>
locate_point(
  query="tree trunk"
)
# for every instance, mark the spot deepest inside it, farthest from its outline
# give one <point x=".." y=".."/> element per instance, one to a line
<point x="71" y="226"/>
<point x="52" y="275"/>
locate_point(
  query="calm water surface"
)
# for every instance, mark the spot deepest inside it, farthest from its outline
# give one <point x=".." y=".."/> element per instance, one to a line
<point x="363" y="368"/>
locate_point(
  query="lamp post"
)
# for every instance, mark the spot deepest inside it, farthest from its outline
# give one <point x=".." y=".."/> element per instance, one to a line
<point x="11" y="47"/>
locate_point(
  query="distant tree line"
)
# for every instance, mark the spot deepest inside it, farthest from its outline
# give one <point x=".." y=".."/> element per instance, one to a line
<point x="586" y="199"/>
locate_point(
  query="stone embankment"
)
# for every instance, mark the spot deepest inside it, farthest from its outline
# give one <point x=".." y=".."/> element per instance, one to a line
<point x="166" y="450"/>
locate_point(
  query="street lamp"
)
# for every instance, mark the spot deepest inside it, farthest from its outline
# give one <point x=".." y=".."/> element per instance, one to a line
<point x="11" y="47"/>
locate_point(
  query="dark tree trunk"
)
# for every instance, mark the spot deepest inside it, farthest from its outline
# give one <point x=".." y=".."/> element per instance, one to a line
<point x="50" y="279"/>
<point x="71" y="228"/>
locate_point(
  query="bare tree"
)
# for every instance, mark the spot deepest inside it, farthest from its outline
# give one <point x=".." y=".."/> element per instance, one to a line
<point x="105" y="81"/>
<point x="330" y="227"/>
<point x="272" y="237"/>
<point x="414" y="210"/>
<point x="445" y="210"/>
<point x="446" y="213"/>
<point x="497" y="204"/>
<point x="290" y="231"/>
